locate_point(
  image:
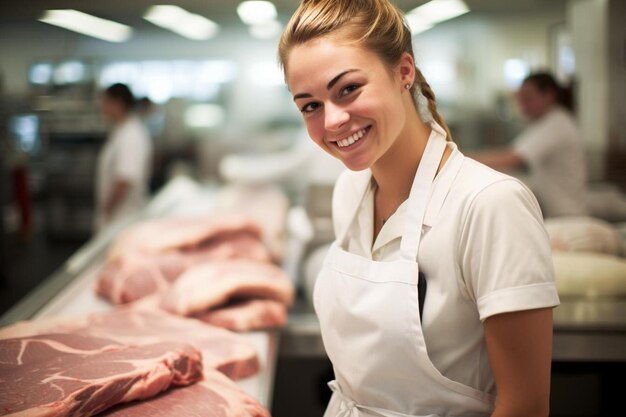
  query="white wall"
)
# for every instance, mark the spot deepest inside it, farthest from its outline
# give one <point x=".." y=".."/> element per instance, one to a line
<point x="478" y="45"/>
<point x="588" y="20"/>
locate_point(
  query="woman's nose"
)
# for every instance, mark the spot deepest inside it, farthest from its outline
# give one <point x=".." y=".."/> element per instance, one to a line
<point x="335" y="117"/>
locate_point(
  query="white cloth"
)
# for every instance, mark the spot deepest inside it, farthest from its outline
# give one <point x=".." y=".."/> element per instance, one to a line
<point x="370" y="323"/>
<point x="484" y="251"/>
<point x="553" y="150"/>
<point x="126" y="156"/>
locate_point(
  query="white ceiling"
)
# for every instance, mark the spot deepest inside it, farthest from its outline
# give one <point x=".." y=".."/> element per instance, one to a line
<point x="130" y="11"/>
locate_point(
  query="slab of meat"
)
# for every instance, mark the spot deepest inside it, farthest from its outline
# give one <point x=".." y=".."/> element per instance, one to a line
<point x="216" y="283"/>
<point x="148" y="257"/>
<point x="74" y="375"/>
<point x="221" y="349"/>
<point x="215" y="396"/>
<point x="136" y="275"/>
<point x="247" y="315"/>
<point x="179" y="233"/>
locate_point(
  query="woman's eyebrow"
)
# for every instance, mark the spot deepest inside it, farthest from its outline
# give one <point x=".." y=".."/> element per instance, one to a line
<point x="330" y="85"/>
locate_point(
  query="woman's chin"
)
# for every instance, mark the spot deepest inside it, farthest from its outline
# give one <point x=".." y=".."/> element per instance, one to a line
<point x="357" y="165"/>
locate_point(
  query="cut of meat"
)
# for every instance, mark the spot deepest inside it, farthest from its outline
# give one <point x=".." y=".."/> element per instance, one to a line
<point x="73" y="375"/>
<point x="221" y="349"/>
<point x="214" y="284"/>
<point x="215" y="396"/>
<point x="182" y="233"/>
<point x="247" y="315"/>
<point x="142" y="270"/>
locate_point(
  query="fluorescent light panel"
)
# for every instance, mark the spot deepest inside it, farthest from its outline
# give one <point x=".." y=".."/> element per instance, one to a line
<point x="178" y="20"/>
<point x="435" y="11"/>
<point x="256" y="12"/>
<point x="266" y="30"/>
<point x="87" y="24"/>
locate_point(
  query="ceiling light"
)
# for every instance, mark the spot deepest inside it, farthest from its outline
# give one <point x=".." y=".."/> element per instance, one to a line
<point x="87" y="24"/>
<point x="256" y="12"/>
<point x="204" y="116"/>
<point x="178" y="20"/>
<point x="436" y="11"/>
<point x="417" y="24"/>
<point x="266" y="30"/>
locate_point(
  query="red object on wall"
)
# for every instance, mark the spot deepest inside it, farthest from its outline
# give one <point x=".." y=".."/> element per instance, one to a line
<point x="21" y="193"/>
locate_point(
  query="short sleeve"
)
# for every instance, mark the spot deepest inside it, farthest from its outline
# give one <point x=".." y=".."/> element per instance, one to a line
<point x="132" y="154"/>
<point x="505" y="253"/>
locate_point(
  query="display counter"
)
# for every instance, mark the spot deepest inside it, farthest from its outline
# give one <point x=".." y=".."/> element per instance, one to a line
<point x="70" y="290"/>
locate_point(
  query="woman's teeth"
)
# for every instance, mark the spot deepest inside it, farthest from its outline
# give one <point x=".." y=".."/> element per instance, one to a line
<point x="351" y="139"/>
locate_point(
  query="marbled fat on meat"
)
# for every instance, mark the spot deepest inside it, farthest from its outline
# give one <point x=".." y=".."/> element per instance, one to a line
<point x="221" y="349"/>
<point x="73" y="375"/>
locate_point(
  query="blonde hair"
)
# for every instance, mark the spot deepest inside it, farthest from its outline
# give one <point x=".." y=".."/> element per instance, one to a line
<point x="375" y="24"/>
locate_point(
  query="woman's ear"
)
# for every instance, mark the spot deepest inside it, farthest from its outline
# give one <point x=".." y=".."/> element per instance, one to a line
<point x="406" y="69"/>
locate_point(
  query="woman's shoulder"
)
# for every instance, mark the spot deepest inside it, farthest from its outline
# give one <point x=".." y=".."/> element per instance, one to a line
<point x="478" y="184"/>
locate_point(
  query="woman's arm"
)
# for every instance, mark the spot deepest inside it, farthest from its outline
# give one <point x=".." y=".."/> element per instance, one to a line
<point x="519" y="345"/>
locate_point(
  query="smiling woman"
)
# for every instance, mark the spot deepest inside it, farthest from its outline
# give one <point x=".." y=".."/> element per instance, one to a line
<point x="412" y="214"/>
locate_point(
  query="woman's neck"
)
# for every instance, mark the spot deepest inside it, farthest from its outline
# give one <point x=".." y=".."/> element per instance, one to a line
<point x="395" y="170"/>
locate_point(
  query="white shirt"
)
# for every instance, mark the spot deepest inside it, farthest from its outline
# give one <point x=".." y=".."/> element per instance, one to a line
<point x="484" y="251"/>
<point x="553" y="150"/>
<point x="126" y="156"/>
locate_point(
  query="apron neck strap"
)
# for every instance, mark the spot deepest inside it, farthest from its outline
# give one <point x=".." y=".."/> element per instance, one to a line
<point x="421" y="191"/>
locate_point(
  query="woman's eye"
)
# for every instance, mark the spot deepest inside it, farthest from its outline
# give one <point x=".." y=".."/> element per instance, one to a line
<point x="348" y="89"/>
<point x="309" y="107"/>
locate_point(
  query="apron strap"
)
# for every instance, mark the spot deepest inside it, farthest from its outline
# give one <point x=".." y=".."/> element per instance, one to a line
<point x="421" y="191"/>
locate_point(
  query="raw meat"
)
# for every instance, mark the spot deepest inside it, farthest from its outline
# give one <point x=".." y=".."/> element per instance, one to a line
<point x="148" y="257"/>
<point x="181" y="233"/>
<point x="214" y="284"/>
<point x="74" y="375"/>
<point x="215" y="396"/>
<point x="222" y="350"/>
<point x="247" y="315"/>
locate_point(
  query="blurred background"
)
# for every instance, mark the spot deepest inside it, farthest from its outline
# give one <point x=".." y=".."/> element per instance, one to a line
<point x="218" y="112"/>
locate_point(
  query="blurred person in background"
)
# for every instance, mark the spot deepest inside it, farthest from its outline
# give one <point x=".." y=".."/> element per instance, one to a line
<point x="550" y="148"/>
<point x="124" y="164"/>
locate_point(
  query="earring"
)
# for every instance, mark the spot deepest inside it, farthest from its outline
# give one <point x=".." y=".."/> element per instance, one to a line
<point x="407" y="86"/>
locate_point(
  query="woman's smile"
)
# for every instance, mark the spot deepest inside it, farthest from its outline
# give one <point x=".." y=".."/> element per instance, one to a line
<point x="353" y="140"/>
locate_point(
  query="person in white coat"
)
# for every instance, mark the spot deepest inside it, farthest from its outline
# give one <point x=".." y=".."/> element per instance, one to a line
<point x="436" y="297"/>
<point x="550" y="147"/>
<point x="124" y="163"/>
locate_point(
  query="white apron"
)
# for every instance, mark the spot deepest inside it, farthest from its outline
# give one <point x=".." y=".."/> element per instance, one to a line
<point x="368" y="312"/>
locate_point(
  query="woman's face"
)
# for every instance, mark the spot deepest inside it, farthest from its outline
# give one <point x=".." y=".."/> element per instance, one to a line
<point x="533" y="102"/>
<point x="112" y="110"/>
<point x="352" y="104"/>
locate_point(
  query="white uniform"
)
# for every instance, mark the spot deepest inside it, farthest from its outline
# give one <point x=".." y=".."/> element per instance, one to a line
<point x="126" y="156"/>
<point x="479" y="240"/>
<point x="553" y="150"/>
